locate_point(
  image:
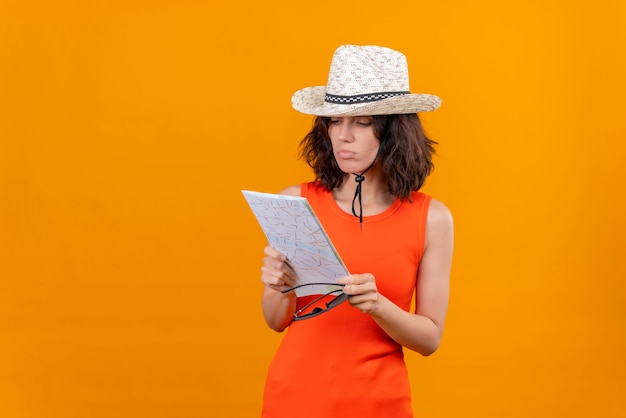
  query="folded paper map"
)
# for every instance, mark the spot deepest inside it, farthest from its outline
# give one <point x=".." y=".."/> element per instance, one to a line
<point x="291" y="227"/>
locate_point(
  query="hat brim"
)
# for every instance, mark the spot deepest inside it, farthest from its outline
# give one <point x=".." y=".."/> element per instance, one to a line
<point x="310" y="101"/>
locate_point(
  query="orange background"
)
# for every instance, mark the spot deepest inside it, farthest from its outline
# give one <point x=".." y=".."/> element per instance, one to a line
<point x="129" y="261"/>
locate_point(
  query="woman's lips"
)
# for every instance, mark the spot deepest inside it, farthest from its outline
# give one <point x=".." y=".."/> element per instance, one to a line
<point x="345" y="154"/>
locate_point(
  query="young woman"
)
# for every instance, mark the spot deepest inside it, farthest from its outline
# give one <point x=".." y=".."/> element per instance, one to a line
<point x="370" y="157"/>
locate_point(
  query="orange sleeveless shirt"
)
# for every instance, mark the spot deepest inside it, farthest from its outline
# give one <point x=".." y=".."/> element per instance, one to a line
<point x="341" y="363"/>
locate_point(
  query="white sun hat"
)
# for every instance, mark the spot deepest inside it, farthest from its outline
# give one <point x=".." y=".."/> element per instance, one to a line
<point x="364" y="81"/>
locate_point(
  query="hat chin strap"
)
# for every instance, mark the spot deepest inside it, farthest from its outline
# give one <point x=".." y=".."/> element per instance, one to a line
<point x="359" y="178"/>
<point x="357" y="194"/>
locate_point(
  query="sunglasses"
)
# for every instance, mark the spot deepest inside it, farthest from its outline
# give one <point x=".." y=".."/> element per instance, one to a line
<point x="321" y="304"/>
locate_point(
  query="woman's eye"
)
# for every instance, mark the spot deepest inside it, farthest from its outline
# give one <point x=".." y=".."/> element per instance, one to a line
<point x="364" y="121"/>
<point x="334" y="121"/>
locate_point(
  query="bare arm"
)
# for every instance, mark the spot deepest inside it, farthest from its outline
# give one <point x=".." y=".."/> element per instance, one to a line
<point x="420" y="331"/>
<point x="276" y="275"/>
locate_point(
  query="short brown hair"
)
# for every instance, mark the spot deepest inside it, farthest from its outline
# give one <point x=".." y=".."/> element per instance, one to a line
<point x="405" y="155"/>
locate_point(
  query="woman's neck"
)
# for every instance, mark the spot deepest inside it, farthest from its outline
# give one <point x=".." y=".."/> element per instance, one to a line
<point x="375" y="196"/>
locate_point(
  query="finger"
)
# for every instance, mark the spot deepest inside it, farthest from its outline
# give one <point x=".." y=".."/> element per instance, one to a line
<point x="279" y="269"/>
<point x="278" y="261"/>
<point x="360" y="289"/>
<point x="274" y="253"/>
<point x="363" y="302"/>
<point x="345" y="280"/>
<point x="357" y="279"/>
<point x="288" y="280"/>
<point x="272" y="262"/>
<point x="276" y="277"/>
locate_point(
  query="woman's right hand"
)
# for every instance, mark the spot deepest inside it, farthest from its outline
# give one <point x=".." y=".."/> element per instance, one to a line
<point x="277" y="275"/>
<point x="276" y="272"/>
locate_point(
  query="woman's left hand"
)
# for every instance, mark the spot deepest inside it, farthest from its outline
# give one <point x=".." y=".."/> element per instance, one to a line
<point x="362" y="291"/>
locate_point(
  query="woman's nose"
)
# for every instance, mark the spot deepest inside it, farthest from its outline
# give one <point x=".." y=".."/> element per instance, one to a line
<point x="345" y="132"/>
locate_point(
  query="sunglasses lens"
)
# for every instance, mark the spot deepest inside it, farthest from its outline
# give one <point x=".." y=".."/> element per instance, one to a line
<point x="320" y="305"/>
<point x="337" y="300"/>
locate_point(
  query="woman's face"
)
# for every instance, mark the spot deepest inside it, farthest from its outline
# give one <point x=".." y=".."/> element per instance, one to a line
<point x="354" y="144"/>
